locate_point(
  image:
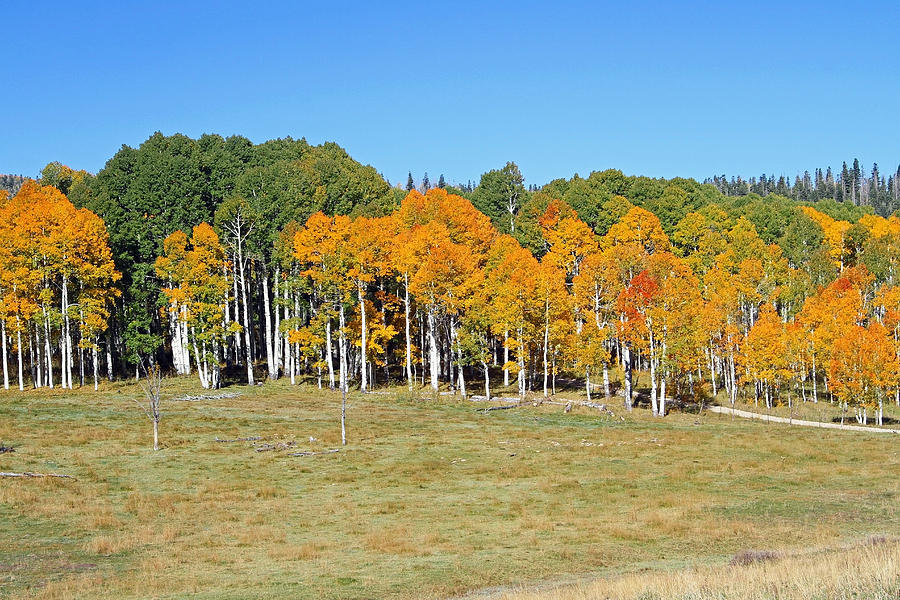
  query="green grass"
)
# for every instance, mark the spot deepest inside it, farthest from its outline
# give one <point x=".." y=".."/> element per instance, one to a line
<point x="429" y="499"/>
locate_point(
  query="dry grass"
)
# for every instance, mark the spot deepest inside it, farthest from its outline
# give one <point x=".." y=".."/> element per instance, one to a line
<point x="865" y="571"/>
<point x="820" y="412"/>
<point x="430" y="498"/>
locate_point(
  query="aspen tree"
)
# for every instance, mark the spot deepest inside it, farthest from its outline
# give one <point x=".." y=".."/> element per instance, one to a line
<point x="237" y="220"/>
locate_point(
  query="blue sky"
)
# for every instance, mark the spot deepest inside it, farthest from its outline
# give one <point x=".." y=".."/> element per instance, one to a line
<point x="653" y="88"/>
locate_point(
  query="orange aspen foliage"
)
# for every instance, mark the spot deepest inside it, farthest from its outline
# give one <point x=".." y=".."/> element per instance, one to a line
<point x="465" y="224"/>
<point x="765" y="350"/>
<point x="197" y="295"/>
<point x="879" y="227"/>
<point x="864" y="367"/>
<point x="835" y="234"/>
<point x="58" y="263"/>
<point x="569" y="239"/>
<point x="633" y="305"/>
<point x="638" y="227"/>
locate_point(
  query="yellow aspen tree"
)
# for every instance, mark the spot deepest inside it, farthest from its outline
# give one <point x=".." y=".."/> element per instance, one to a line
<point x="595" y="290"/>
<point x="199" y="293"/>
<point x="766" y="356"/>
<point x="554" y="310"/>
<point x="864" y="369"/>
<point x="636" y="236"/>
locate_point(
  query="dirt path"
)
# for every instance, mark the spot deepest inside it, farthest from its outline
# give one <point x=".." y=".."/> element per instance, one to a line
<point x="751" y="415"/>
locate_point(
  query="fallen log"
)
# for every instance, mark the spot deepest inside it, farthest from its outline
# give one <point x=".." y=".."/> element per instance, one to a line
<point x="593" y="405"/>
<point x="332" y="451"/>
<point x="5" y="449"/>
<point x="477" y="398"/>
<point x="278" y="446"/>
<point x="206" y="397"/>
<point x="28" y="474"/>
<point x="244" y="439"/>
<point x="501" y="407"/>
<point x="601" y="407"/>
<point x="514" y="403"/>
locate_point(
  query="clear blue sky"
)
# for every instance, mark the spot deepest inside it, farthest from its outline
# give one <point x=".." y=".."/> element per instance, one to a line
<point x="651" y="87"/>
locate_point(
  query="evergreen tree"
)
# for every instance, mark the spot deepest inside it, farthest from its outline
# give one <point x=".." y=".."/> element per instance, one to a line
<point x="426" y="183"/>
<point x="410" y="184"/>
<point x="500" y="194"/>
<point x="441" y="183"/>
<point x="846" y="181"/>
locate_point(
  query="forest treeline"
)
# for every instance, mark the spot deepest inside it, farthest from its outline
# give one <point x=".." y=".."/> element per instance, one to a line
<point x="11" y="183"/>
<point x="851" y="185"/>
<point x="237" y="261"/>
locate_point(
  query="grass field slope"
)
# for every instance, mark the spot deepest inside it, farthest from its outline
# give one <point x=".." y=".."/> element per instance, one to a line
<point x="432" y="497"/>
<point x="870" y="570"/>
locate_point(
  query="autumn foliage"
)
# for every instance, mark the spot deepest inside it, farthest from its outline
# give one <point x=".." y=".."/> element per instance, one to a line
<point x="56" y="283"/>
<point x="433" y="294"/>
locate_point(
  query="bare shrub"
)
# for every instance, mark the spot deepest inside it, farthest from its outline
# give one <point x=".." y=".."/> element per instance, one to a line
<point x="749" y="557"/>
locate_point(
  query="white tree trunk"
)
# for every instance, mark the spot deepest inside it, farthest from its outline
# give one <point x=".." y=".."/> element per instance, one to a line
<point x="626" y="361"/>
<point x="459" y="357"/>
<point x="521" y="359"/>
<point x="606" y="391"/>
<point x="733" y="380"/>
<point x="96" y="358"/>
<point x="653" y="371"/>
<point x="67" y="336"/>
<point x="206" y="376"/>
<point x="180" y="353"/>
<point x="553" y="370"/>
<point x="329" y="353"/>
<point x="546" y="343"/>
<point x="200" y="372"/>
<point x="81" y="360"/>
<point x="434" y="360"/>
<point x="342" y="349"/>
<point x="217" y="371"/>
<point x="409" y="373"/>
<point x="185" y="347"/>
<point x="237" y="312"/>
<point x="815" y="386"/>
<point x="109" y="358"/>
<point x="267" y="316"/>
<point x="175" y="337"/>
<point x="63" y="366"/>
<point x="276" y="346"/>
<point x="34" y="341"/>
<point x="245" y="316"/>
<point x="295" y="348"/>
<point x="48" y="350"/>
<point x="662" y="383"/>
<point x="342" y="343"/>
<point x="505" y="358"/>
<point x="5" y="365"/>
<point x="362" y="352"/>
<point x="291" y="366"/>
<point x="19" y="343"/>
<point x="487" y="380"/>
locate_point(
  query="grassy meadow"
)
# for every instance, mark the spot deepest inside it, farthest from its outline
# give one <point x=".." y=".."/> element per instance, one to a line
<point x="870" y="570"/>
<point x="431" y="497"/>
